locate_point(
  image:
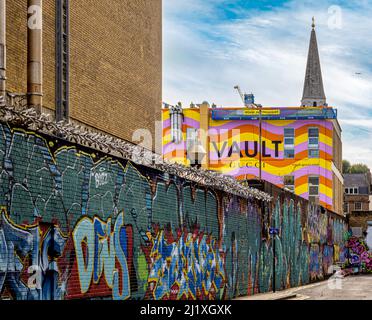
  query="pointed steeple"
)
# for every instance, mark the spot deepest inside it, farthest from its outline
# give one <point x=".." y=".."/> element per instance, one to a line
<point x="313" y="89"/>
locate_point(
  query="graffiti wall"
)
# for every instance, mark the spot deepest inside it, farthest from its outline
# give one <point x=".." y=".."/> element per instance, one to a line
<point x="77" y="224"/>
<point x="359" y="255"/>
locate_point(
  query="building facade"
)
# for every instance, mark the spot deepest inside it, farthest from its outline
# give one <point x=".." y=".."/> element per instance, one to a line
<point x="296" y="148"/>
<point x="357" y="201"/>
<point x="98" y="63"/>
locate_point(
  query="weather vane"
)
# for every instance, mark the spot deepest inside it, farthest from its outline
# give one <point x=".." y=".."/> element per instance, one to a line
<point x="313" y="25"/>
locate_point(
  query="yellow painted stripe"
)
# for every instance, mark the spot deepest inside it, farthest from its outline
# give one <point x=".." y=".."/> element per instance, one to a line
<point x="192" y="114"/>
<point x="323" y="189"/>
<point x="250" y="136"/>
<point x="298" y="165"/>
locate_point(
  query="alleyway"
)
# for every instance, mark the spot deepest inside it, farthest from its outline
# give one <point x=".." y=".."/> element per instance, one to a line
<point x="349" y="288"/>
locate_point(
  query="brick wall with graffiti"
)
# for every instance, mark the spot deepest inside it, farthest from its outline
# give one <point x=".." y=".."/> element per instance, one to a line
<point x="78" y="224"/>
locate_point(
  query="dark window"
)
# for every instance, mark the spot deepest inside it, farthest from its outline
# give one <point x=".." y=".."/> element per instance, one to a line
<point x="313" y="186"/>
<point x="313" y="143"/>
<point x="289" y="143"/>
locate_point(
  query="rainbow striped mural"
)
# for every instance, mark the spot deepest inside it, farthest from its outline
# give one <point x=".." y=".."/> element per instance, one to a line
<point x="233" y="148"/>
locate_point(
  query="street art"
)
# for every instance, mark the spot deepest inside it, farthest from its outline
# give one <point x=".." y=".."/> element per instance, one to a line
<point x="104" y="249"/>
<point x="27" y="254"/>
<point x="77" y="224"/>
<point x="359" y="255"/>
<point x="190" y="268"/>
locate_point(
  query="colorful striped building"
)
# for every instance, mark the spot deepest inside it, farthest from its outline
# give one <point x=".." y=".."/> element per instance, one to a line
<point x="299" y="148"/>
<point x="303" y="155"/>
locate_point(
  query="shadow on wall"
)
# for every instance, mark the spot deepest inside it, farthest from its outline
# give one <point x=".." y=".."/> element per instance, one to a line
<point x="78" y="224"/>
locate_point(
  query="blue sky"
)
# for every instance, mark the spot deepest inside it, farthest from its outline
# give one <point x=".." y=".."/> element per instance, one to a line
<point x="212" y="45"/>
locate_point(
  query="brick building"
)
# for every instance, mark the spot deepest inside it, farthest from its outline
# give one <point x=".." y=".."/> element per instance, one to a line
<point x="357" y="204"/>
<point x="101" y="61"/>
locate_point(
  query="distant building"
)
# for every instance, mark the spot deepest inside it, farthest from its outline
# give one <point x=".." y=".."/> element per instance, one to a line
<point x="300" y="149"/>
<point x="357" y="200"/>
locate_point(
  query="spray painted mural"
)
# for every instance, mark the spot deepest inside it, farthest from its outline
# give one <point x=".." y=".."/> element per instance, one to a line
<point x="359" y="256"/>
<point x="234" y="146"/>
<point x="78" y="224"/>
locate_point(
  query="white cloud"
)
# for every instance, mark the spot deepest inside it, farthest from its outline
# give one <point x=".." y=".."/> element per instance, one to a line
<point x="266" y="53"/>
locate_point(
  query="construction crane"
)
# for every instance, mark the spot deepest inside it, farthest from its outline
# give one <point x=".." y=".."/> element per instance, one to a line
<point x="240" y="93"/>
<point x="248" y="99"/>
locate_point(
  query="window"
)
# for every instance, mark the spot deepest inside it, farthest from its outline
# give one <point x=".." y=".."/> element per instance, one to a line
<point x="289" y="143"/>
<point x="352" y="190"/>
<point x="313" y="143"/>
<point x="314" y="189"/>
<point x="358" y="206"/>
<point x="289" y="183"/>
<point x="346" y="207"/>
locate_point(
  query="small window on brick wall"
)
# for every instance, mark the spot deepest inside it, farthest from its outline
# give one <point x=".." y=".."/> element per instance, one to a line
<point x="346" y="207"/>
<point x="358" y="206"/>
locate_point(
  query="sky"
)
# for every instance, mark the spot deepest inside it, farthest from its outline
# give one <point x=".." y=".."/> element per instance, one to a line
<point x="209" y="46"/>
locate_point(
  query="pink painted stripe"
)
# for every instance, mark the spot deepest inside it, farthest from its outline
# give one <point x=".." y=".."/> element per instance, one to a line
<point x="170" y="147"/>
<point x="166" y="123"/>
<point x="191" y="122"/>
<point x="310" y="170"/>
<point x="322" y="197"/>
<point x="278" y="130"/>
<point x="188" y="121"/>
<point x="322" y="147"/>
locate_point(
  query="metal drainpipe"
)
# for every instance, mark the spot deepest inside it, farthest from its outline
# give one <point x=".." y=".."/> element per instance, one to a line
<point x="34" y="53"/>
<point x="2" y="50"/>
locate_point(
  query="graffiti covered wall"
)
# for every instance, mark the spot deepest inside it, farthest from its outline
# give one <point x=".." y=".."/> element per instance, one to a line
<point x="76" y="223"/>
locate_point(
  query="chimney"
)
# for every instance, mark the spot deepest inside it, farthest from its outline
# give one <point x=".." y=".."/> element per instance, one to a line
<point x="34" y="53"/>
<point x="2" y="51"/>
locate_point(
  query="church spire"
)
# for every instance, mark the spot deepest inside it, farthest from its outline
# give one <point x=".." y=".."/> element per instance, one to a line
<point x="313" y="89"/>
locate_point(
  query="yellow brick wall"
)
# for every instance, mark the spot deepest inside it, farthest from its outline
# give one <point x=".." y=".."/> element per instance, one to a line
<point x="115" y="61"/>
<point x="16" y="19"/>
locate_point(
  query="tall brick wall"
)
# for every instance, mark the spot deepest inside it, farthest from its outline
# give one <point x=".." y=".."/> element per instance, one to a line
<point x="103" y="227"/>
<point x="116" y="61"/>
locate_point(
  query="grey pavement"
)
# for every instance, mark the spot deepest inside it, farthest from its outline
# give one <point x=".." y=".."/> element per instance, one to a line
<point x="349" y="288"/>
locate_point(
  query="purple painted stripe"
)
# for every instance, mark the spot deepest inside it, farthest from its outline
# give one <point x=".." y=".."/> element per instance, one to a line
<point x="170" y="147"/>
<point x="322" y="147"/>
<point x="166" y="123"/>
<point x="278" y="130"/>
<point x="191" y="122"/>
<point x="188" y="121"/>
<point x="322" y="197"/>
<point x="309" y="170"/>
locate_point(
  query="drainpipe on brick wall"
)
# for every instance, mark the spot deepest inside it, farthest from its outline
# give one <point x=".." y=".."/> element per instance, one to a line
<point x="2" y="51"/>
<point x="34" y="53"/>
<point x="204" y="127"/>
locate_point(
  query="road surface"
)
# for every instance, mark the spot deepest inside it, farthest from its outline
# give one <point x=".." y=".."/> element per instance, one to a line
<point x="349" y="288"/>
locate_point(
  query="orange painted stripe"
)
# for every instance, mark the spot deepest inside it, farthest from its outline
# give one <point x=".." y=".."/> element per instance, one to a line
<point x="304" y="180"/>
<point x="247" y="128"/>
